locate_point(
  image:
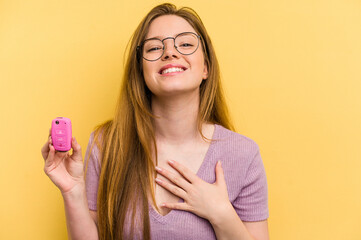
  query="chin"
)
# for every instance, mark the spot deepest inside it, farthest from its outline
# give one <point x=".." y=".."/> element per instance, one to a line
<point x="177" y="91"/>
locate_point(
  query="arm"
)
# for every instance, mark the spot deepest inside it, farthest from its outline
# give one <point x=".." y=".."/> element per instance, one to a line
<point x="230" y="226"/>
<point x="79" y="222"/>
<point x="66" y="172"/>
<point x="211" y="201"/>
<point x="254" y="195"/>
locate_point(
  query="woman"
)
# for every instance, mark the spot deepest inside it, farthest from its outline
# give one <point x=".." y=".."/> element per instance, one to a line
<point x="170" y="105"/>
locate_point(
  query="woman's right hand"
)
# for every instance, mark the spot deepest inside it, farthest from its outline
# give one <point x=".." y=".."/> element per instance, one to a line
<point x="64" y="170"/>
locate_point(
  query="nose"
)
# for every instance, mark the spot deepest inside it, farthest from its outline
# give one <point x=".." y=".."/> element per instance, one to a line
<point x="169" y="49"/>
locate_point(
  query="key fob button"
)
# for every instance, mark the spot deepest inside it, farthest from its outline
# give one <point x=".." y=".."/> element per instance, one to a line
<point x="60" y="132"/>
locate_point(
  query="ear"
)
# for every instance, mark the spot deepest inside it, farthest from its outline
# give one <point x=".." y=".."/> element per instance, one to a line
<point x="205" y="71"/>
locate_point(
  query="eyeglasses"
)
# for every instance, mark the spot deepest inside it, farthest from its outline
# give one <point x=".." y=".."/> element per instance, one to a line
<point x="152" y="49"/>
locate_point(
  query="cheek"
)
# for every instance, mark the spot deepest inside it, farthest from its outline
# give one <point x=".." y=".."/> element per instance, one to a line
<point x="149" y="69"/>
<point x="199" y="59"/>
<point x="148" y="73"/>
<point x="145" y="68"/>
<point x="199" y="64"/>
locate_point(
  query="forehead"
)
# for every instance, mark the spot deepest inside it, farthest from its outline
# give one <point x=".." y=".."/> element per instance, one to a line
<point x="168" y="26"/>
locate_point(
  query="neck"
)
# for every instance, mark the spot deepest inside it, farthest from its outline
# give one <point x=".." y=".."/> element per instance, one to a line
<point x="177" y="122"/>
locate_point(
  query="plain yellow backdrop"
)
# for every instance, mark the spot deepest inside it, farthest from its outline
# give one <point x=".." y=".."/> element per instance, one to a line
<point x="291" y="73"/>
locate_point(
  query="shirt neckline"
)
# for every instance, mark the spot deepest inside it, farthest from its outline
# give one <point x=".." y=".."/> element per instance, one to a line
<point x="168" y="217"/>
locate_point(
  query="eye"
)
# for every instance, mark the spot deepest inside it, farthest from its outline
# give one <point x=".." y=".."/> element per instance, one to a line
<point x="154" y="49"/>
<point x="186" y="45"/>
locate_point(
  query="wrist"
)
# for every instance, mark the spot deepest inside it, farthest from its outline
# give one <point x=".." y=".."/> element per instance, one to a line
<point x="222" y="215"/>
<point x="76" y="192"/>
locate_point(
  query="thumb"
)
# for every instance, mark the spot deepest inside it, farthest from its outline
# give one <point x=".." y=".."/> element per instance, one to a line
<point x="50" y="159"/>
<point x="219" y="174"/>
<point x="76" y="155"/>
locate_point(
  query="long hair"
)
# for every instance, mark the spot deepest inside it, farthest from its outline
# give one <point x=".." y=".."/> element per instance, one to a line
<point x="126" y="141"/>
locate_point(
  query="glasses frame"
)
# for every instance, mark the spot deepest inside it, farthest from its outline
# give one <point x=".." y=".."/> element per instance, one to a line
<point x="140" y="47"/>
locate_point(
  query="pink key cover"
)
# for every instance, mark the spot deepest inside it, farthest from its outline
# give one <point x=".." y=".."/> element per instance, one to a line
<point x="61" y="134"/>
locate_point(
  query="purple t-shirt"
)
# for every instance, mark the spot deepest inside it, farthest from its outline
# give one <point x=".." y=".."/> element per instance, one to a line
<point x="244" y="174"/>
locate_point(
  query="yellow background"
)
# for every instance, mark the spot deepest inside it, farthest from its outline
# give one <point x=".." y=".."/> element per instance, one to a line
<point x="291" y="71"/>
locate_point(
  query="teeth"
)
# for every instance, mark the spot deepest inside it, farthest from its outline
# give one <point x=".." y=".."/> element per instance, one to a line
<point x="168" y="70"/>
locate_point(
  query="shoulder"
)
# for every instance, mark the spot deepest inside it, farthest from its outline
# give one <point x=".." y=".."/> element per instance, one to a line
<point x="236" y="142"/>
<point x="93" y="152"/>
<point x="98" y="137"/>
<point x="95" y="144"/>
<point x="100" y="134"/>
<point x="241" y="161"/>
<point x="236" y="151"/>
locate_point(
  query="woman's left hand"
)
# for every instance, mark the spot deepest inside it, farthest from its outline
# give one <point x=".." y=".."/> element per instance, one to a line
<point x="206" y="200"/>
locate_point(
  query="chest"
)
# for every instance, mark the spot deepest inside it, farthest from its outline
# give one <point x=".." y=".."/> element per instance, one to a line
<point x="191" y="159"/>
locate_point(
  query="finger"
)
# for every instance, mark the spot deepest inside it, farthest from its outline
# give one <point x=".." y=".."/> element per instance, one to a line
<point x="171" y="188"/>
<point x="45" y="149"/>
<point x="219" y="174"/>
<point x="177" y="206"/>
<point x="76" y="155"/>
<point x="178" y="180"/>
<point x="184" y="171"/>
<point x="50" y="158"/>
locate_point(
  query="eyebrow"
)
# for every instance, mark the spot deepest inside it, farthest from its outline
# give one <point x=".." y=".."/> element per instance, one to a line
<point x="161" y="37"/>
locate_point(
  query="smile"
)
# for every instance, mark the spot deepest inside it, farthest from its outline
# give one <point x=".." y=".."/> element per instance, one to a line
<point x="172" y="71"/>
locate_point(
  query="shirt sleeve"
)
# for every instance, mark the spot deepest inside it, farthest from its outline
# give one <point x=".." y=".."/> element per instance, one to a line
<point x="92" y="174"/>
<point x="252" y="202"/>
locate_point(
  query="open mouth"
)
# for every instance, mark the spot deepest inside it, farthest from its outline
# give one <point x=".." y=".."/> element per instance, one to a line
<point x="172" y="71"/>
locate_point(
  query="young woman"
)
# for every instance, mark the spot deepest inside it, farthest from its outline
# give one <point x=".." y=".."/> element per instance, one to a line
<point x="171" y="107"/>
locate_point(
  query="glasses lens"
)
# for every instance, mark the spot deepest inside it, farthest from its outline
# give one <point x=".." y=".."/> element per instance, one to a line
<point x="186" y="43"/>
<point x="152" y="49"/>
